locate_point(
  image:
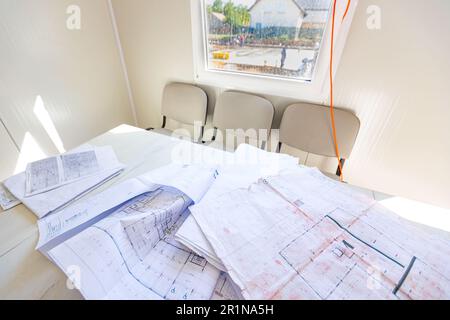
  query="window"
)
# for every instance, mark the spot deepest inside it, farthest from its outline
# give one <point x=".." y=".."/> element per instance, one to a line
<point x="276" y="46"/>
<point x="256" y="37"/>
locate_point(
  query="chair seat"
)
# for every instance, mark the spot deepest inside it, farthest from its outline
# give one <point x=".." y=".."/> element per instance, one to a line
<point x="171" y="133"/>
<point x="163" y="131"/>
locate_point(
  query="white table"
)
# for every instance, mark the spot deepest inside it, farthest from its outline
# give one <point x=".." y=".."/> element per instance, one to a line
<point x="27" y="274"/>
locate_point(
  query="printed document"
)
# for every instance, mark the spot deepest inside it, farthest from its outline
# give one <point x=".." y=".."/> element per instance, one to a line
<point x="66" y="223"/>
<point x="46" y="174"/>
<point x="7" y="200"/>
<point x="248" y="165"/>
<point x="131" y="253"/>
<point x="301" y="235"/>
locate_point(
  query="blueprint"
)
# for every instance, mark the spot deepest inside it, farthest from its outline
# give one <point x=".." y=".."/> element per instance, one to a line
<point x="7" y="200"/>
<point x="50" y="173"/>
<point x="192" y="180"/>
<point x="57" y="227"/>
<point x="131" y="254"/>
<point x="43" y="175"/>
<point x="300" y="235"/>
<point x="248" y="165"/>
<point x="58" y="194"/>
<point x="79" y="165"/>
<point x="226" y="289"/>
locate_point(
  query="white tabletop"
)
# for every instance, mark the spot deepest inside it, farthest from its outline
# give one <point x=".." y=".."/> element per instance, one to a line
<point x="27" y="274"/>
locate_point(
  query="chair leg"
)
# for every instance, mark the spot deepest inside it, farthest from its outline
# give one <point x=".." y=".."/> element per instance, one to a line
<point x="263" y="145"/>
<point x="338" y="171"/>
<point x="202" y="132"/>
<point x="163" y="125"/>
<point x="213" y="137"/>
<point x="280" y="144"/>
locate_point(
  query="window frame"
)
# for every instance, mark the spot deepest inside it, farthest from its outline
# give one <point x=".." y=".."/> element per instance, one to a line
<point x="316" y="90"/>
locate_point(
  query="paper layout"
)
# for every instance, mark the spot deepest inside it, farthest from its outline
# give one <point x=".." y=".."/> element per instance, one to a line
<point x="53" y="172"/>
<point x="300" y="235"/>
<point x="43" y="204"/>
<point x="191" y="235"/>
<point x="226" y="289"/>
<point x="191" y="180"/>
<point x="131" y="254"/>
<point x="7" y="200"/>
<point x="248" y="165"/>
<point x="43" y="175"/>
<point x="54" y="226"/>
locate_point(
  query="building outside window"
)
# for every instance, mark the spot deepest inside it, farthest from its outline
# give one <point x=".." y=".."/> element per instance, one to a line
<point x="277" y="38"/>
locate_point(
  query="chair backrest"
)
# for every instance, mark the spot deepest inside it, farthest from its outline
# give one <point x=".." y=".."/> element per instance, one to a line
<point x="185" y="103"/>
<point x="236" y="110"/>
<point x="308" y="127"/>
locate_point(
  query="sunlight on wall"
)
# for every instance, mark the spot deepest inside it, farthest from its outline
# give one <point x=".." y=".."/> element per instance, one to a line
<point x="419" y="212"/>
<point x="46" y="121"/>
<point x="30" y="151"/>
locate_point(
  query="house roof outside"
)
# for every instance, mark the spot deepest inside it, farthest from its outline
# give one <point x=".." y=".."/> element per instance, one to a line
<point x="310" y="7"/>
<point x="219" y="16"/>
<point x="295" y="2"/>
<point x="317" y="11"/>
<point x="313" y="5"/>
<point x="316" y="16"/>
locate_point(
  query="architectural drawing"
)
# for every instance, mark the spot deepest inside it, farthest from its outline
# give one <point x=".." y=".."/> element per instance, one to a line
<point x="281" y="240"/>
<point x="7" y="200"/>
<point x="79" y="165"/>
<point x="132" y="255"/>
<point x="43" y="174"/>
<point x="225" y="289"/>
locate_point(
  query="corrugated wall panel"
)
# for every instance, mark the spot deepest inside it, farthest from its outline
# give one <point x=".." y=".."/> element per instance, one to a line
<point x="59" y="86"/>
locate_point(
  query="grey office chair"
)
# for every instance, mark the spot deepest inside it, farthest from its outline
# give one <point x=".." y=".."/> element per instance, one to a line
<point x="242" y="112"/>
<point x="184" y="103"/>
<point x="308" y="127"/>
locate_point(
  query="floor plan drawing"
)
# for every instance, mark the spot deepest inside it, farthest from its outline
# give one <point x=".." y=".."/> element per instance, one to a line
<point x="132" y="255"/>
<point x="146" y="230"/>
<point x="78" y="165"/>
<point x="43" y="174"/>
<point x="279" y="240"/>
<point x="225" y="289"/>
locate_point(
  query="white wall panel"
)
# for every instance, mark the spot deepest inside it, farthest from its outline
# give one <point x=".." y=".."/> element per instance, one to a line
<point x="77" y="73"/>
<point x="396" y="80"/>
<point x="9" y="154"/>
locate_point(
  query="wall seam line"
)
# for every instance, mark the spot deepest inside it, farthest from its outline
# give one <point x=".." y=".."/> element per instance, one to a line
<point x="122" y="61"/>
<point x="10" y="135"/>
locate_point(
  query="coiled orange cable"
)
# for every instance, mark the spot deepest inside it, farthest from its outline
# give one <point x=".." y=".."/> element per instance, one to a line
<point x="333" y="122"/>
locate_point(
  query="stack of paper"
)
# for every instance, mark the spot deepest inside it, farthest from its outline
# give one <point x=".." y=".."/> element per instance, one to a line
<point x="248" y="166"/>
<point x="301" y="235"/>
<point x="191" y="180"/>
<point x="122" y="240"/>
<point x="7" y="200"/>
<point x="54" y="172"/>
<point x="127" y="251"/>
<point x="49" y="185"/>
<point x="261" y="227"/>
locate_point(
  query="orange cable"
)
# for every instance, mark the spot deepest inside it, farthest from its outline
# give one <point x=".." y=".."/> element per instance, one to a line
<point x="333" y="122"/>
<point x="346" y="9"/>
